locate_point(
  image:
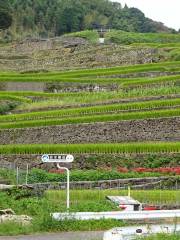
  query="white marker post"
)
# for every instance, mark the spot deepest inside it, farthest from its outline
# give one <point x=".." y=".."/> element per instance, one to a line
<point x="60" y="158"/>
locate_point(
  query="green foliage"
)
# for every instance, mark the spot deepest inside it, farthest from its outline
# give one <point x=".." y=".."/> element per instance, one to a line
<point x="81" y="200"/>
<point x="92" y="36"/>
<point x="40" y="176"/>
<point x="46" y="18"/>
<point x="5" y="16"/>
<point x="7" y="106"/>
<point x="5" y="19"/>
<point x="162" y="237"/>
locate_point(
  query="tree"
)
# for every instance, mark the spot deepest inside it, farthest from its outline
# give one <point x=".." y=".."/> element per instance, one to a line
<point x="5" y="20"/>
<point x="5" y="16"/>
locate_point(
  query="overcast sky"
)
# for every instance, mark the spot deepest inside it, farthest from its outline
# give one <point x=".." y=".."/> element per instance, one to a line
<point x="166" y="11"/>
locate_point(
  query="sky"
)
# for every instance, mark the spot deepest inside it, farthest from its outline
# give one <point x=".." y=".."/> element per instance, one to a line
<point x="166" y="11"/>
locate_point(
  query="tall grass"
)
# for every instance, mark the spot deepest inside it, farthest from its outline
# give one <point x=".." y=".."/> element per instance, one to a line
<point x="115" y="148"/>
<point x="145" y="196"/>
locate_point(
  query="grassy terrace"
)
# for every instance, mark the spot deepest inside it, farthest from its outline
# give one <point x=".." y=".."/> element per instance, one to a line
<point x="146" y="147"/>
<point x="162" y="67"/>
<point x="56" y="100"/>
<point x="123" y="82"/>
<point x="14" y="98"/>
<point x="93" y="118"/>
<point x="104" y="109"/>
<point x="122" y="37"/>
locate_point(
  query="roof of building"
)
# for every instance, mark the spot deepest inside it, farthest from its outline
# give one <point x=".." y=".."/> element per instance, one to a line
<point x="126" y="200"/>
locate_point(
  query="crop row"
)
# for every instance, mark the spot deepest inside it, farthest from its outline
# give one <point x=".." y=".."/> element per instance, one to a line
<point x="154" y="91"/>
<point x="147" y="105"/>
<point x="149" y="81"/>
<point x="93" y="118"/>
<point x="145" y="196"/>
<point x="164" y="66"/>
<point x="115" y="148"/>
<point x="10" y="97"/>
<point x="124" y="82"/>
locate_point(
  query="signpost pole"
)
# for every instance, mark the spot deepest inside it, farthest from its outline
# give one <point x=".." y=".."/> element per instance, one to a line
<point x="68" y="176"/>
<point x="60" y="158"/>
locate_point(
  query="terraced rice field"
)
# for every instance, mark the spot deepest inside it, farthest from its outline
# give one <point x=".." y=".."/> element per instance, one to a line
<point x="79" y="97"/>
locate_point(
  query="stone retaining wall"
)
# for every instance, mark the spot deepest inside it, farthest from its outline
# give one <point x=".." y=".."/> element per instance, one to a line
<point x="135" y="183"/>
<point x="162" y="129"/>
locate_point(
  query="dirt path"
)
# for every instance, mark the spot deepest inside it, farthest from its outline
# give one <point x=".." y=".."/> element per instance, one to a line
<point x="60" y="236"/>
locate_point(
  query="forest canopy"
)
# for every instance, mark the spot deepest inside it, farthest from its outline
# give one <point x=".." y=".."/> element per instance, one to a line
<point x="5" y="15"/>
<point x="49" y="18"/>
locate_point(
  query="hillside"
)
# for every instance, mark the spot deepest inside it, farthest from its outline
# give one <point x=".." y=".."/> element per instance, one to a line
<point x="134" y="105"/>
<point x="114" y="106"/>
<point x="44" y="18"/>
<point x="123" y="86"/>
<point x="82" y="50"/>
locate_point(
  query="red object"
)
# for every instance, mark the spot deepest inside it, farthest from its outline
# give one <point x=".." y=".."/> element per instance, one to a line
<point x="122" y="170"/>
<point x="57" y="171"/>
<point x="122" y="207"/>
<point x="149" y="208"/>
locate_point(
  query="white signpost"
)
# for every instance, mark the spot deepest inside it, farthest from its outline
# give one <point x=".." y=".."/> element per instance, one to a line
<point x="60" y="158"/>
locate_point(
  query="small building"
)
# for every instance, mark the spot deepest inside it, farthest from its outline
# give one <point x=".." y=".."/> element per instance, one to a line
<point x="126" y="203"/>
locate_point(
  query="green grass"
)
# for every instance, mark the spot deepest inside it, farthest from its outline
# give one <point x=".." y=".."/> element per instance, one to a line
<point x="73" y="99"/>
<point x="121" y="82"/>
<point x="6" y="96"/>
<point x="150" y="81"/>
<point x="158" y="45"/>
<point x="93" y="118"/>
<point x="162" y="237"/>
<point x="162" y="66"/>
<point x="86" y="200"/>
<point x="122" y="37"/>
<point x="41" y="176"/>
<point x="41" y="208"/>
<point x="91" y="36"/>
<point x="92" y="110"/>
<point x="144" y="196"/>
<point x="112" y="148"/>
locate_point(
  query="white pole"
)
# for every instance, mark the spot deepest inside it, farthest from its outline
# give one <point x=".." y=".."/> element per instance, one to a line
<point x="17" y="175"/>
<point x="68" y="177"/>
<point x="27" y="172"/>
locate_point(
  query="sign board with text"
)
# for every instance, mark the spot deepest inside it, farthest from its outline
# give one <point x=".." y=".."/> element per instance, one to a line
<point x="57" y="158"/>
